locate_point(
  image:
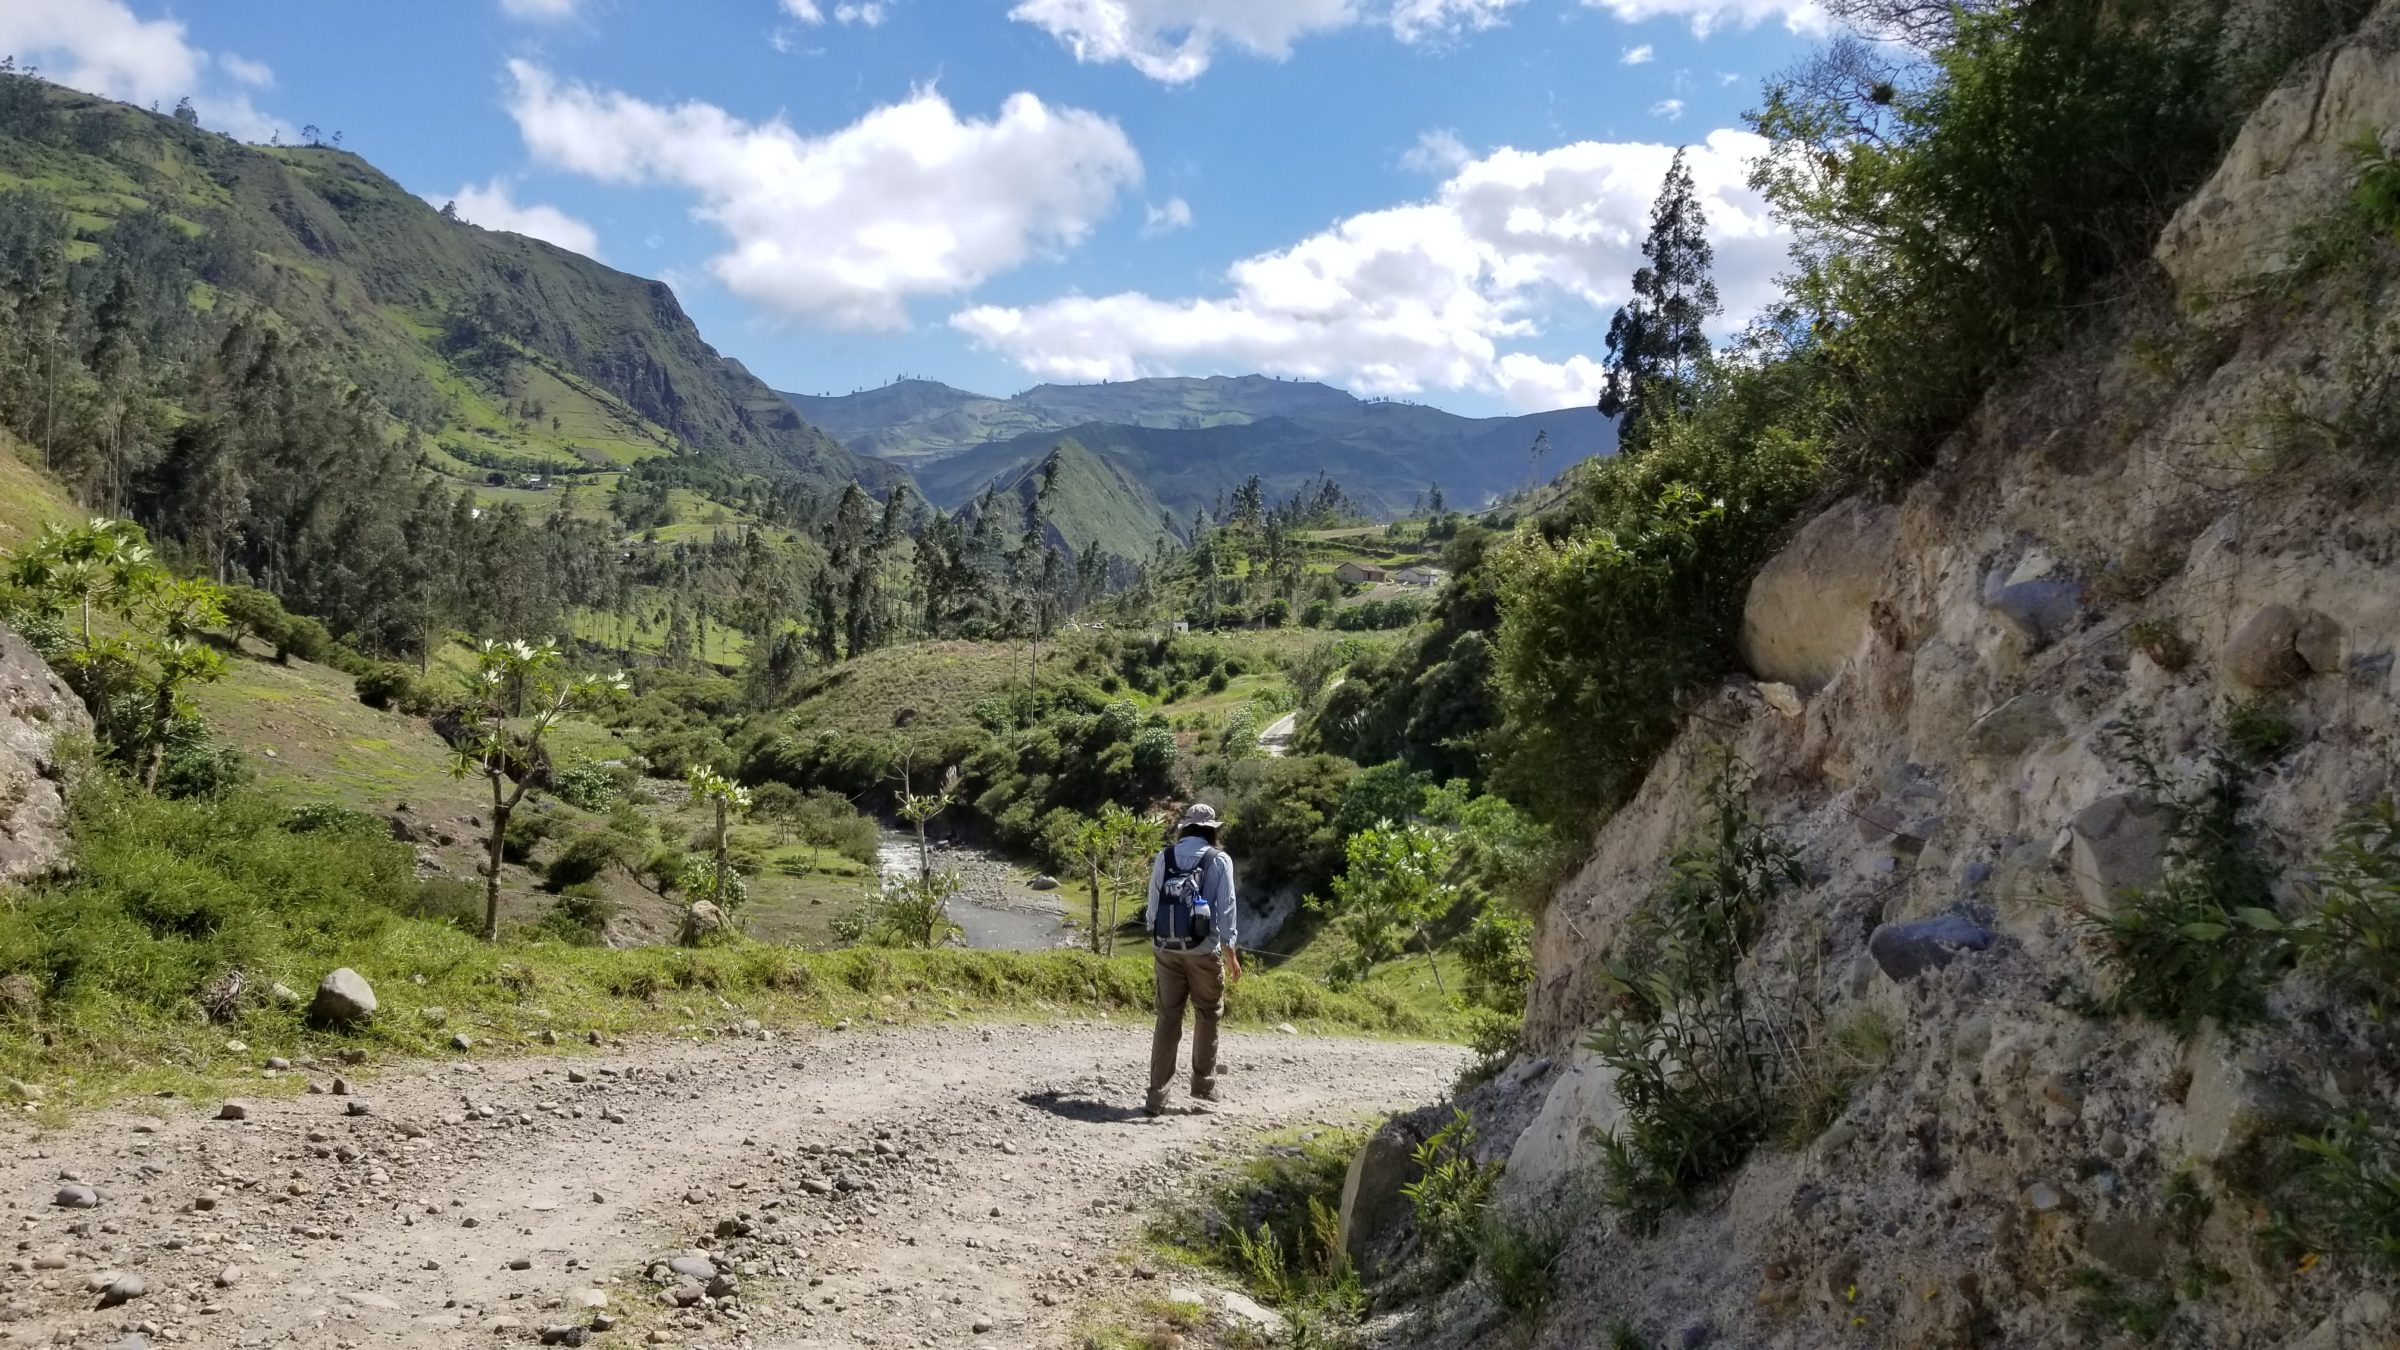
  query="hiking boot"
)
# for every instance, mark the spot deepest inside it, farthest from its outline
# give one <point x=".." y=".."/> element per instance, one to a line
<point x="1155" y="1104"/>
<point x="1205" y="1092"/>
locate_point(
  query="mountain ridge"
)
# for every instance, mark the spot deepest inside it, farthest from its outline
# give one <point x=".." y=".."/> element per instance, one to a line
<point x="458" y="329"/>
<point x="1385" y="454"/>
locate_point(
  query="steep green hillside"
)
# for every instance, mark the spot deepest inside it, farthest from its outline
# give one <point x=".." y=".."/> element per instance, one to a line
<point x="29" y="498"/>
<point x="1192" y="440"/>
<point x="1091" y="502"/>
<point x="506" y="353"/>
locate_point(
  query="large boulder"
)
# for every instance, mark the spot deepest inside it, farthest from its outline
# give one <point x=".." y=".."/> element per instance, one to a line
<point x="2119" y="845"/>
<point x="1373" y="1209"/>
<point x="1808" y="607"/>
<point x="1907" y="950"/>
<point x="2028" y="720"/>
<point x="2281" y="645"/>
<point x="344" y="1001"/>
<point x="37" y="714"/>
<point x="704" y="923"/>
<point x="2241" y="1108"/>
<point x="1580" y="1106"/>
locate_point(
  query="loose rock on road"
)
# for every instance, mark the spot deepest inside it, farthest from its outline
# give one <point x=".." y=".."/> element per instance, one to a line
<point x="917" y="1185"/>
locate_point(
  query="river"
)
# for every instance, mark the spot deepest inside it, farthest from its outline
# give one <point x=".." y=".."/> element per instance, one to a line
<point x="994" y="909"/>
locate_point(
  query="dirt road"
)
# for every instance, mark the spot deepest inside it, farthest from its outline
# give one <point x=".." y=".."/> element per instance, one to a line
<point x="899" y="1186"/>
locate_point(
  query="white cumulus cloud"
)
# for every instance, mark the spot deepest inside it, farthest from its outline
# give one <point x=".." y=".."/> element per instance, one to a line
<point x="1173" y="41"/>
<point x="1708" y="16"/>
<point x="242" y="68"/>
<point x="103" y="47"/>
<point x="805" y="11"/>
<point x="541" y="11"/>
<point x="1638" y="56"/>
<point x="1438" y="152"/>
<point x="1176" y="214"/>
<point x="492" y="206"/>
<point x="1423" y="20"/>
<point x="1668" y="108"/>
<point x="872" y="13"/>
<point x="844" y="229"/>
<point x="1452" y="293"/>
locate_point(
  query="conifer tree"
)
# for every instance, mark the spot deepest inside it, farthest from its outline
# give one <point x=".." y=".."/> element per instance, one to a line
<point x="1657" y="342"/>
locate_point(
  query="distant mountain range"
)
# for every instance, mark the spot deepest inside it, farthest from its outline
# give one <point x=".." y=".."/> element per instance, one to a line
<point x="1189" y="441"/>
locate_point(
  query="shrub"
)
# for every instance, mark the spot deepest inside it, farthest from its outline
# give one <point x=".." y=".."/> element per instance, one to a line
<point x="580" y="916"/>
<point x="1517" y="1260"/>
<point x="908" y="912"/>
<point x="2206" y="941"/>
<point x="526" y="832"/>
<point x="1451" y="1195"/>
<point x="1632" y="594"/>
<point x="1272" y="1223"/>
<point x="2352" y="935"/>
<point x="2163" y="643"/>
<point x="1704" y="1066"/>
<point x="388" y="686"/>
<point x="2352" y="1177"/>
<point x="583" y="860"/>
<point x="588" y="786"/>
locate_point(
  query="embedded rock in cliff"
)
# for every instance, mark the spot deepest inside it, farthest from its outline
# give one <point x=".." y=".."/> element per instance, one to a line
<point x="1808" y="607"/>
<point x="1581" y="1105"/>
<point x="2281" y="645"/>
<point x="1373" y="1208"/>
<point x="37" y="713"/>
<point x="2119" y="845"/>
<point x="2291" y="160"/>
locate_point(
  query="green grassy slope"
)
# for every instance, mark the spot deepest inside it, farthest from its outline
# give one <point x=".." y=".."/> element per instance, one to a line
<point x="29" y="498"/>
<point x="512" y="355"/>
<point x="1094" y="502"/>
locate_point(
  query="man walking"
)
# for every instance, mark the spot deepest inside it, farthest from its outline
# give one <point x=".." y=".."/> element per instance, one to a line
<point x="1190" y="917"/>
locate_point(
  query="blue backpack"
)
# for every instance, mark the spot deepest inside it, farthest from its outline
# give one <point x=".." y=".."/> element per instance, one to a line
<point x="1182" y="914"/>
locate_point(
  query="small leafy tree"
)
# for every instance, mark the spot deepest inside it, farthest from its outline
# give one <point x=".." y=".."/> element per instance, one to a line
<point x="136" y="681"/>
<point x="179" y="609"/>
<point x="1392" y="891"/>
<point x="1106" y="849"/>
<point x="913" y="911"/>
<point x="714" y="878"/>
<point x="779" y="804"/>
<point x="509" y="675"/>
<point x="918" y="809"/>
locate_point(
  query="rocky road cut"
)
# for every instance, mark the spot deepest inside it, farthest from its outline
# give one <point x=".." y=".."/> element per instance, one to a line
<point x="903" y="1186"/>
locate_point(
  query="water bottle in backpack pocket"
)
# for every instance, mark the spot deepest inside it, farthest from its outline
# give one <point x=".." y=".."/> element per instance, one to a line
<point x="1182" y="915"/>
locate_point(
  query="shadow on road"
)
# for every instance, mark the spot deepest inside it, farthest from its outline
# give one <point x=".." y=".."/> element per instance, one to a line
<point x="1084" y="1109"/>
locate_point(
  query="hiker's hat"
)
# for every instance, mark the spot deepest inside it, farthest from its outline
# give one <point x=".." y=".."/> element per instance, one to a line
<point x="1200" y="816"/>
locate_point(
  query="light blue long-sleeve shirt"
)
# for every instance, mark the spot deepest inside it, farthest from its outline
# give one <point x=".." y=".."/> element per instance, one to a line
<point x="1216" y="882"/>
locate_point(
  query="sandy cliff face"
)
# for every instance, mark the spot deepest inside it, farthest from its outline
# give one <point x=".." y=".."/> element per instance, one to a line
<point x="1940" y="681"/>
<point x="37" y="713"/>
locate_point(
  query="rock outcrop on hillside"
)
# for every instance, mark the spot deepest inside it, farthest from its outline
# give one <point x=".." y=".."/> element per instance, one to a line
<point x="38" y="716"/>
<point x="2122" y="538"/>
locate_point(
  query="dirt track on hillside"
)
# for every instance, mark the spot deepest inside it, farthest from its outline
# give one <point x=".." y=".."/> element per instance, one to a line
<point x="897" y="1186"/>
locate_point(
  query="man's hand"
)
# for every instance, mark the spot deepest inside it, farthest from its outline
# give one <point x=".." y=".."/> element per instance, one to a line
<point x="1233" y="967"/>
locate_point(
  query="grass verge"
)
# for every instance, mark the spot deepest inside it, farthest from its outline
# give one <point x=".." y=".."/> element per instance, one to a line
<point x="165" y="947"/>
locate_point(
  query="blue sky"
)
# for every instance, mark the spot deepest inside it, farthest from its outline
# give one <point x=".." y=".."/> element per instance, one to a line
<point x="1438" y="200"/>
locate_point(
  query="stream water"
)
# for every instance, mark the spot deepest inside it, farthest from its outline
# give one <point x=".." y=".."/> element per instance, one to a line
<point x="992" y="908"/>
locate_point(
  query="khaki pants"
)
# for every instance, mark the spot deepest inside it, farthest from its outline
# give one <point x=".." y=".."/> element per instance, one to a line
<point x="1197" y="978"/>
